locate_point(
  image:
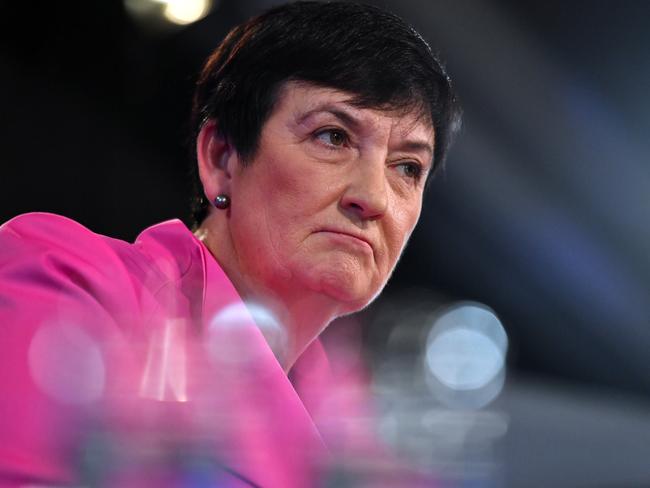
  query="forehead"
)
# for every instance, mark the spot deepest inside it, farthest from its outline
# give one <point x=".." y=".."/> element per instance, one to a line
<point x="300" y="101"/>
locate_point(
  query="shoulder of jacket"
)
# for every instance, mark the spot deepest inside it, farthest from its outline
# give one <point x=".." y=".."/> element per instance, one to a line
<point x="47" y="251"/>
<point x="34" y="234"/>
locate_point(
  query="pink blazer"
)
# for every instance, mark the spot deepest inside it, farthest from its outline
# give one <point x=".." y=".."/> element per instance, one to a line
<point x="110" y="350"/>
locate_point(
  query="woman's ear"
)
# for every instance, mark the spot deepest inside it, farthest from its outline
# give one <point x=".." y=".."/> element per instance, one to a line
<point x="213" y="154"/>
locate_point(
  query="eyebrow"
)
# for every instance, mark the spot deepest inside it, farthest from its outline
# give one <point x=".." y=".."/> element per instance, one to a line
<point x="417" y="146"/>
<point x="341" y="114"/>
<point x="355" y="124"/>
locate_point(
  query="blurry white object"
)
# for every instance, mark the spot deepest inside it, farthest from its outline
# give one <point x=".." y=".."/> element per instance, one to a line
<point x="465" y="355"/>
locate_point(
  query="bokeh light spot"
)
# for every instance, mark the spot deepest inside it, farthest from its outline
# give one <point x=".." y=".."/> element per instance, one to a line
<point x="67" y="364"/>
<point x="179" y="12"/>
<point x="230" y="333"/>
<point x="464" y="359"/>
<point x="185" y="11"/>
<point x="465" y="354"/>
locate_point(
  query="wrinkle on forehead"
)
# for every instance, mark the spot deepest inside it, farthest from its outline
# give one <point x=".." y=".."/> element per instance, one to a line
<point x="416" y="108"/>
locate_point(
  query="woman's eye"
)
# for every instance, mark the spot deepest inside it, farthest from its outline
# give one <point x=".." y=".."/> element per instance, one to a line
<point x="410" y="170"/>
<point x="332" y="137"/>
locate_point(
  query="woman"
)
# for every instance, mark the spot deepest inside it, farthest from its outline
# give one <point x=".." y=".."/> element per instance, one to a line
<point x="317" y="126"/>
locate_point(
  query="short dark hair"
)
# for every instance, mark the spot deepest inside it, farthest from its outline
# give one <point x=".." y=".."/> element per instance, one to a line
<point x="370" y="53"/>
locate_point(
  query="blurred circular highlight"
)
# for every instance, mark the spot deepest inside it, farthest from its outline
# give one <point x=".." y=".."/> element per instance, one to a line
<point x="179" y="12"/>
<point x="234" y="334"/>
<point x="67" y="364"/>
<point x="185" y="12"/>
<point x="465" y="356"/>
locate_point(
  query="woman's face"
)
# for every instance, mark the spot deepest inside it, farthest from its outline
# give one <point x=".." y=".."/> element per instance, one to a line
<point x="330" y="198"/>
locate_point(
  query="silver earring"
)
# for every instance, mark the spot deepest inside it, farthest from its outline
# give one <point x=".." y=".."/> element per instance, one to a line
<point x="222" y="201"/>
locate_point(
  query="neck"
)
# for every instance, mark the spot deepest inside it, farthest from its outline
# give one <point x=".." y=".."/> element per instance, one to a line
<point x="303" y="318"/>
<point x="301" y="314"/>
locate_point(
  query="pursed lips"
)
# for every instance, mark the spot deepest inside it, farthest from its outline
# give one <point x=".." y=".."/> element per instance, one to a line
<point x="354" y="235"/>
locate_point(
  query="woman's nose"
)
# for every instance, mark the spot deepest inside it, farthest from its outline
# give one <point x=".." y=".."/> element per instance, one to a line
<point x="366" y="195"/>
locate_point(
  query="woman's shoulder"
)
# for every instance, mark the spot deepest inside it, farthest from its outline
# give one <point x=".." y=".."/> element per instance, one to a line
<point x="43" y="249"/>
<point x="37" y="244"/>
<point x="42" y="232"/>
<point x="42" y="229"/>
<point x="44" y="238"/>
<point x="46" y="256"/>
<point x="34" y="222"/>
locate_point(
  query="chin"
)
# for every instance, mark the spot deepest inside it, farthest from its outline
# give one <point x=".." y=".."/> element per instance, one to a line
<point x="347" y="282"/>
<point x="351" y="293"/>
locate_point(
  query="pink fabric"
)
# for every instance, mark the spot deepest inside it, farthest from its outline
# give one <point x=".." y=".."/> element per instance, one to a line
<point x="148" y="341"/>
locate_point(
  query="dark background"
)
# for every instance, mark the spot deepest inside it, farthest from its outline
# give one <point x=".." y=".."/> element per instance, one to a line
<point x="542" y="213"/>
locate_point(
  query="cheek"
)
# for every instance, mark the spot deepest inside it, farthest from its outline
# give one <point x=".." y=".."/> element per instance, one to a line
<point x="277" y="200"/>
<point x="267" y="194"/>
<point x="403" y="224"/>
<point x="286" y="186"/>
<point x="410" y="214"/>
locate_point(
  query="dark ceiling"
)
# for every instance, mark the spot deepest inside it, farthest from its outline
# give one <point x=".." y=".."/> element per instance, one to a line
<point x="542" y="212"/>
